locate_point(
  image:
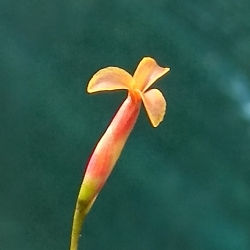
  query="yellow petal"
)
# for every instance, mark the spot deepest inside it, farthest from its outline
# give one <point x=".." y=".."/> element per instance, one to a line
<point x="155" y="105"/>
<point x="110" y="78"/>
<point x="147" y="72"/>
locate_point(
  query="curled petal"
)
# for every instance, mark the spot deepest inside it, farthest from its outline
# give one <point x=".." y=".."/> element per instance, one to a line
<point x="155" y="105"/>
<point x="147" y="72"/>
<point x="110" y="78"/>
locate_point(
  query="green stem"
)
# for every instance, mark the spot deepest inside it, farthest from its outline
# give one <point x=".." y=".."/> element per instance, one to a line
<point x="81" y="210"/>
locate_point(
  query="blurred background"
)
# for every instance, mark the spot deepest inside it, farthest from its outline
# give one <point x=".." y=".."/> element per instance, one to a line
<point x="184" y="185"/>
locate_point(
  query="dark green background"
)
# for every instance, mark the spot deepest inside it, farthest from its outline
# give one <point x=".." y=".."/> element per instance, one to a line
<point x="184" y="185"/>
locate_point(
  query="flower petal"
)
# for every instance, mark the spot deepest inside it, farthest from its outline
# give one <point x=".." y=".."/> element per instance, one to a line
<point x="155" y="105"/>
<point x="110" y="78"/>
<point x="147" y="72"/>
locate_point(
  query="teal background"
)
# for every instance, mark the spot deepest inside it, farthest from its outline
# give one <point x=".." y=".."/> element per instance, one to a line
<point x="184" y="185"/>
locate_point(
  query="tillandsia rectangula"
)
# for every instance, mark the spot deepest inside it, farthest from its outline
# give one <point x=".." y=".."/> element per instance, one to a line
<point x="109" y="147"/>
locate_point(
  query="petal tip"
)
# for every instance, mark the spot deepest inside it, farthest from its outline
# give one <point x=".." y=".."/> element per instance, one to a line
<point x="109" y="78"/>
<point x="155" y="105"/>
<point x="147" y="72"/>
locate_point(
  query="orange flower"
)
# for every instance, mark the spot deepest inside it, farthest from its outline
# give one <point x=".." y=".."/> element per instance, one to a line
<point x="112" y="142"/>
